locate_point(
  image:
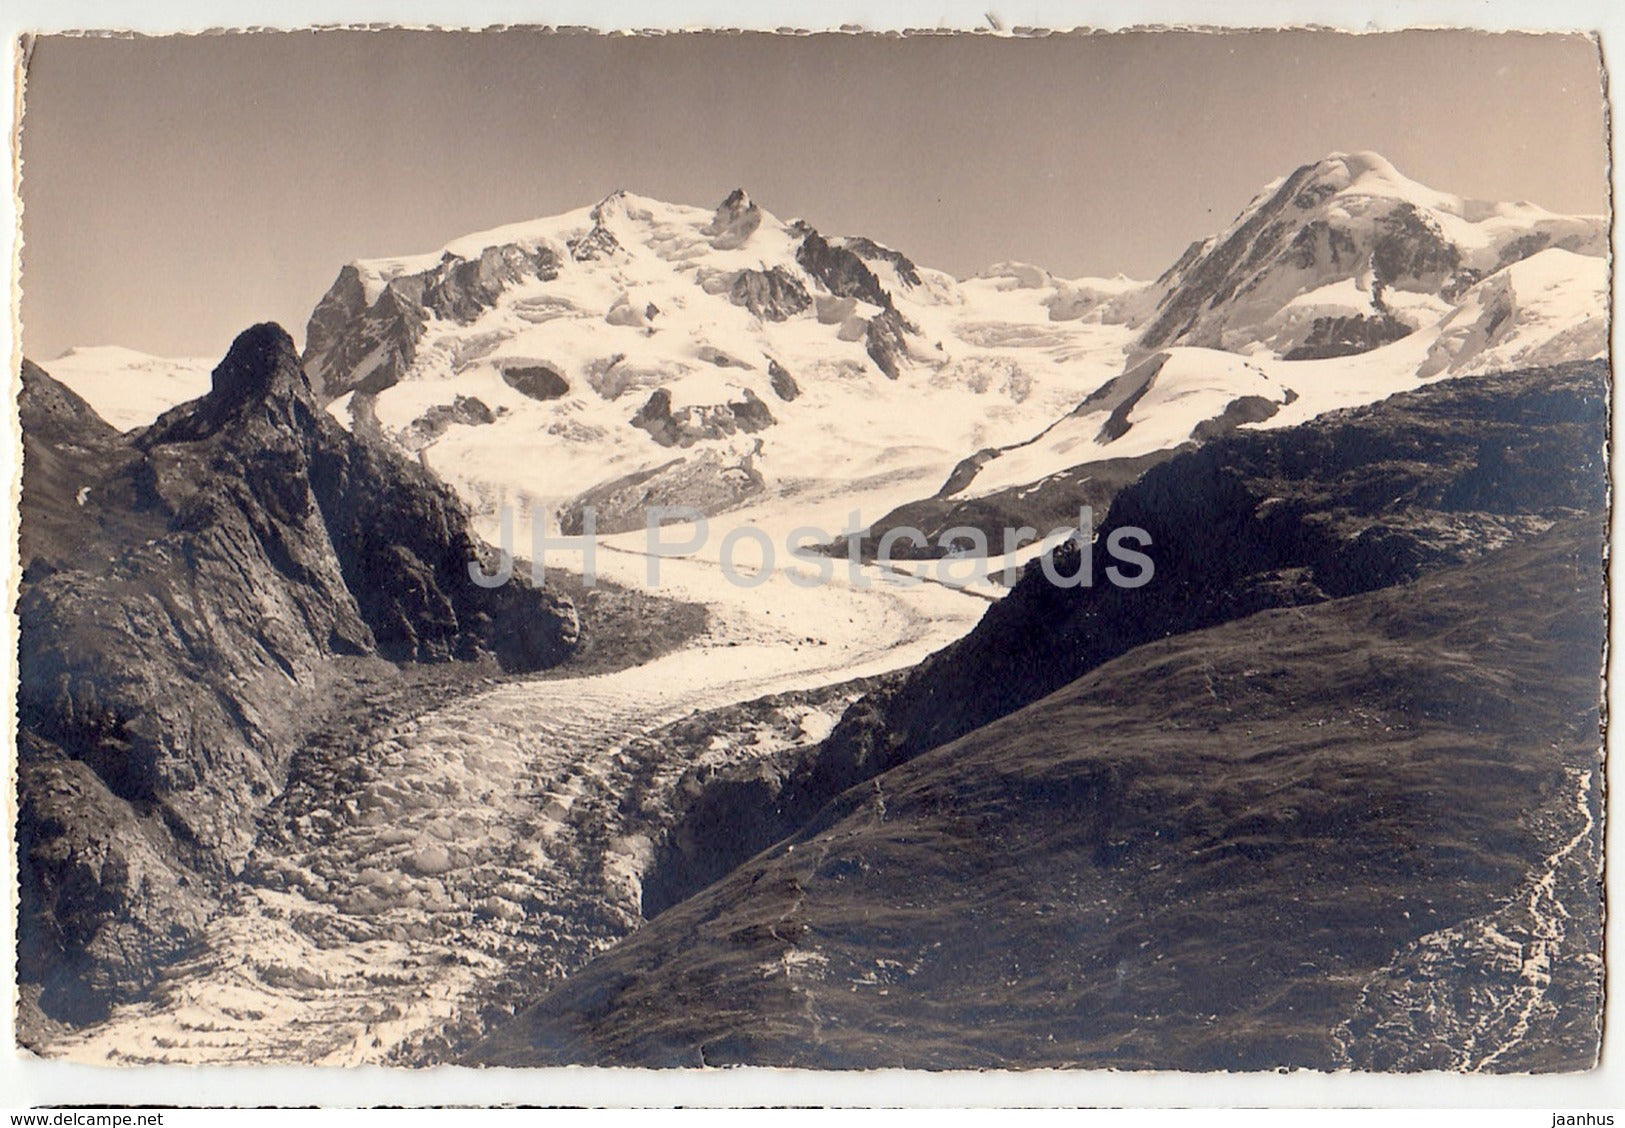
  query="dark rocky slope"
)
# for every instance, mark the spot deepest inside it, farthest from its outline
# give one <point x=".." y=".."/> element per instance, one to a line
<point x="1351" y="502"/>
<point x="191" y="598"/>
<point x="1366" y="833"/>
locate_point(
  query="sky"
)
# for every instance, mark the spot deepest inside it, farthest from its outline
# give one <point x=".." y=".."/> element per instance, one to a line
<point x="176" y="190"/>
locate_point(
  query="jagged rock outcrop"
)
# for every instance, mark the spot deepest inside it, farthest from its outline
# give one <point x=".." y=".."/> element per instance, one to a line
<point x="736" y="221"/>
<point x="773" y="294"/>
<point x="842" y="271"/>
<point x="108" y="895"/>
<point x="352" y="344"/>
<point x="467" y="411"/>
<point x="868" y="249"/>
<point x="537" y="381"/>
<point x="1347" y="336"/>
<point x="462" y="289"/>
<point x="191" y="593"/>
<point x="784" y="384"/>
<point x="599" y="242"/>
<point x="1239" y="411"/>
<point x="697" y="422"/>
<point x="356" y="344"/>
<point x="885" y="343"/>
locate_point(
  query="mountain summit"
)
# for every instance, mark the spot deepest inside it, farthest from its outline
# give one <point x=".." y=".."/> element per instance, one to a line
<point x="1338" y="285"/>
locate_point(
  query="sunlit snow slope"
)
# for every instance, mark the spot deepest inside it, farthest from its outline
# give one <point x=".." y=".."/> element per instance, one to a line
<point x="130" y="389"/>
<point x="1346" y="254"/>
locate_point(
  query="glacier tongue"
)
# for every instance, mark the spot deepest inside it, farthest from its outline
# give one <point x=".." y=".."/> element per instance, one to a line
<point x="420" y="879"/>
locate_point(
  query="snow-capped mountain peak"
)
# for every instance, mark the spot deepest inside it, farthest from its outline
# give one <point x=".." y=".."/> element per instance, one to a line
<point x="663" y="351"/>
<point x="1346" y="254"/>
<point x="1368" y="173"/>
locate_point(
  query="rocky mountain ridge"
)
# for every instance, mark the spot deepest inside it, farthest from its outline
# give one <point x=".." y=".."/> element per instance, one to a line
<point x="638" y="309"/>
<point x="1339" y="284"/>
<point x="1279" y="275"/>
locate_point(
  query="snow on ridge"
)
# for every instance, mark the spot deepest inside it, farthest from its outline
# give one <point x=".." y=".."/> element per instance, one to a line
<point x="1549" y="308"/>
<point x="1368" y="173"/>
<point x="1168" y="396"/>
<point x="1371" y="174"/>
<point x="665" y="316"/>
<point x="633" y="220"/>
<point x="1364" y="181"/>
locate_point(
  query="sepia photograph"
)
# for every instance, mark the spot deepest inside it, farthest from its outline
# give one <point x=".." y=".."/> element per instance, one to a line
<point x="995" y="550"/>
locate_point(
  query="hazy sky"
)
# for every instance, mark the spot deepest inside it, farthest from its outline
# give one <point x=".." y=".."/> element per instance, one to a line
<point x="177" y="190"/>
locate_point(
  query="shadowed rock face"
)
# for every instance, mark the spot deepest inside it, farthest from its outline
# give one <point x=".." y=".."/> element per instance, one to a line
<point x="784" y="384"/>
<point x="772" y="294"/>
<point x="189" y="589"/>
<point x="462" y="289"/>
<point x="467" y="411"/>
<point x="599" y="243"/>
<point x="536" y="381"/>
<point x="353" y="346"/>
<point x="885" y="343"/>
<point x="736" y="220"/>
<point x="842" y="271"/>
<point x="1243" y="409"/>
<point x="866" y="248"/>
<point x="1346" y="336"/>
